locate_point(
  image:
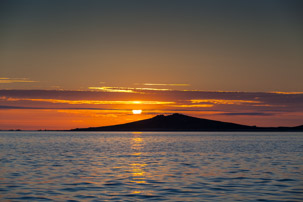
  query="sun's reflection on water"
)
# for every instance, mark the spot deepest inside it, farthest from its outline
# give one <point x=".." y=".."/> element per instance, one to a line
<point x="138" y="164"/>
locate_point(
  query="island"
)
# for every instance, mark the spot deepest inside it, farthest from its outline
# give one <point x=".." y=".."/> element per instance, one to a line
<point x="180" y="122"/>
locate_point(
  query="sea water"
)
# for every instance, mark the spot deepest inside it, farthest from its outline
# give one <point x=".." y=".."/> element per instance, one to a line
<point x="168" y="166"/>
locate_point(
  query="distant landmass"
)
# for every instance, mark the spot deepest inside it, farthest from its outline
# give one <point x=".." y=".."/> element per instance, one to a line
<point x="180" y="122"/>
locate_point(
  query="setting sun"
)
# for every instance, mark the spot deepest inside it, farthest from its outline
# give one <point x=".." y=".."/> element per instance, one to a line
<point x="137" y="111"/>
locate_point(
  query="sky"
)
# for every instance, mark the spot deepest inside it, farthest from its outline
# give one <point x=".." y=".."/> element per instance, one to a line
<point x="71" y="63"/>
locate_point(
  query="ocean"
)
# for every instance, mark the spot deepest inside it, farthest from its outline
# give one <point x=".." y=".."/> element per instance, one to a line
<point x="160" y="166"/>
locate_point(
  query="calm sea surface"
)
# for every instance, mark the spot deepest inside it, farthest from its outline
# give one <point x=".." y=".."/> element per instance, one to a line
<point x="174" y="166"/>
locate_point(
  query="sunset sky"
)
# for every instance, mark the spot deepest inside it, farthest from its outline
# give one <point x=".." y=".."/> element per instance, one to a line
<point x="69" y="63"/>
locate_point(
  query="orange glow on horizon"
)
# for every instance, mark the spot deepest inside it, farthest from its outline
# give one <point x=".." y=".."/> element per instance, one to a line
<point x="35" y="119"/>
<point x="60" y="110"/>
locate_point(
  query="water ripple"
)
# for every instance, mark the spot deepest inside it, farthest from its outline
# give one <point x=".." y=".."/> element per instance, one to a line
<point x="56" y="166"/>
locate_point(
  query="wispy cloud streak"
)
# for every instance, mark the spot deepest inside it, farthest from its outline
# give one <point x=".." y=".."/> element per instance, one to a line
<point x="228" y="102"/>
<point x="16" y="80"/>
<point x="164" y="84"/>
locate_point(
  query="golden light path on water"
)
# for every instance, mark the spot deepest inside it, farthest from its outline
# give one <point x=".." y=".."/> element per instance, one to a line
<point x="137" y="166"/>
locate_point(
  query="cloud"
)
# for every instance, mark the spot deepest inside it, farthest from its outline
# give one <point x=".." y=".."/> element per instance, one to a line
<point x="287" y="93"/>
<point x="164" y="84"/>
<point x="3" y="107"/>
<point x="91" y="102"/>
<point x="193" y="106"/>
<point x="15" y="107"/>
<point x="256" y="108"/>
<point x="223" y="101"/>
<point x="126" y="89"/>
<point x="231" y="103"/>
<point x="247" y="114"/>
<point x="113" y="89"/>
<point x="16" y="80"/>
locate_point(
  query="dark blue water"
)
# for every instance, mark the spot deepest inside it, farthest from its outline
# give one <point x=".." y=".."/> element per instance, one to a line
<point x="67" y="166"/>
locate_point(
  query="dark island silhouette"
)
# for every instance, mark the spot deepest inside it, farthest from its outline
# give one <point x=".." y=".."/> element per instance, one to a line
<point x="180" y="122"/>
